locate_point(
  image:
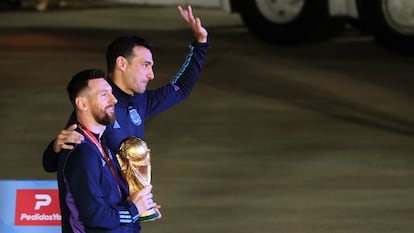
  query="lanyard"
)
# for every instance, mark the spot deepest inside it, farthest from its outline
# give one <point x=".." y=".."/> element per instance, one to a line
<point x="103" y="153"/>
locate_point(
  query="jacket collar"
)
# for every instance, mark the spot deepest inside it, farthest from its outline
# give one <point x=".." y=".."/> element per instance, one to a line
<point x="120" y="95"/>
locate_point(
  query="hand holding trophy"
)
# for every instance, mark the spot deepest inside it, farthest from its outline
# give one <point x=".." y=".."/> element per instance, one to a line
<point x="135" y="161"/>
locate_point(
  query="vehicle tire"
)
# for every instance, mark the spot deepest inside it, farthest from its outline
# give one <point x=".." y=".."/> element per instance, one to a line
<point x="391" y="22"/>
<point x="289" y="21"/>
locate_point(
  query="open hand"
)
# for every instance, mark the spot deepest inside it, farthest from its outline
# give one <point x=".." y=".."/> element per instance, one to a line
<point x="67" y="138"/>
<point x="200" y="33"/>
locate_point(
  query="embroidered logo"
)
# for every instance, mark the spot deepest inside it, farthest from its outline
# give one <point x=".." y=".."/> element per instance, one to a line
<point x="116" y="125"/>
<point x="134" y="116"/>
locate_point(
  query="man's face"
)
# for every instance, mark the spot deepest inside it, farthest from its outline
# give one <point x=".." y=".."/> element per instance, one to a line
<point x="139" y="70"/>
<point x="101" y="101"/>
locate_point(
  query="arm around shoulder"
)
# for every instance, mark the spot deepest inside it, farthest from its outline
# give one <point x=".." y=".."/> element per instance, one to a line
<point x="50" y="158"/>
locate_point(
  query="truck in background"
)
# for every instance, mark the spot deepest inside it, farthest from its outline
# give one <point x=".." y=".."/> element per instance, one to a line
<point x="391" y="22"/>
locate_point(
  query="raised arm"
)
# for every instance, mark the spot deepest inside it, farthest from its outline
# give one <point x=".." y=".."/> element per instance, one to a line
<point x="199" y="32"/>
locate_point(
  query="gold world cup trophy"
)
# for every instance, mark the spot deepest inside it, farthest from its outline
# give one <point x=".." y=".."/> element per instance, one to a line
<point x="135" y="161"/>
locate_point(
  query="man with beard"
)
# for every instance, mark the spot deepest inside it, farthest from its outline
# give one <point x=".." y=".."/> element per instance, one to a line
<point x="93" y="195"/>
<point x="130" y="63"/>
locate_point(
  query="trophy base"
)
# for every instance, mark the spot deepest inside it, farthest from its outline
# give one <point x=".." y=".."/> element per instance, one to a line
<point x="149" y="215"/>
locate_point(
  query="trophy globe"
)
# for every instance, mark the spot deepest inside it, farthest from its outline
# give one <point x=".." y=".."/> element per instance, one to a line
<point x="135" y="161"/>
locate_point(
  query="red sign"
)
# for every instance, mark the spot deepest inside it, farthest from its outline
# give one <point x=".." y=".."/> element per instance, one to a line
<point x="36" y="207"/>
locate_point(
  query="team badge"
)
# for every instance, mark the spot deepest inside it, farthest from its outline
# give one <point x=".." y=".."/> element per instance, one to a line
<point x="134" y="116"/>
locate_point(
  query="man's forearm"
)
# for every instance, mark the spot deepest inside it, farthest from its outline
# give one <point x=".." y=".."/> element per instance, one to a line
<point x="50" y="158"/>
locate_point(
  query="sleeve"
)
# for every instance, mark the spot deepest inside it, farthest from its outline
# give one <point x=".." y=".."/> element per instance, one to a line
<point x="182" y="83"/>
<point x="128" y="213"/>
<point x="187" y="76"/>
<point x="84" y="174"/>
<point x="50" y="157"/>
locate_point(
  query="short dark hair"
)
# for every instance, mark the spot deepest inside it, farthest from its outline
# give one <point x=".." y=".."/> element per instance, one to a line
<point x="123" y="46"/>
<point x="80" y="81"/>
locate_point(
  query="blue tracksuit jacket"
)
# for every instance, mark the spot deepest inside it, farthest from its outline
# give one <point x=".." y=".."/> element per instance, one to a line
<point x="90" y="199"/>
<point x="132" y="111"/>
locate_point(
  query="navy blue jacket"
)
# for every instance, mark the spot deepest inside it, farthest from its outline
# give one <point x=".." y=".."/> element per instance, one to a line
<point x="132" y="111"/>
<point x="89" y="196"/>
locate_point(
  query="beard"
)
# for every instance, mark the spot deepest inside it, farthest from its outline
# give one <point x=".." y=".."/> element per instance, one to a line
<point x="105" y="118"/>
